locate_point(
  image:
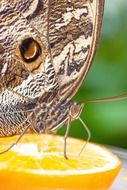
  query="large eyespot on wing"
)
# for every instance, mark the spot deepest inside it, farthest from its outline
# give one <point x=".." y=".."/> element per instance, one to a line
<point x="26" y="62"/>
<point x="74" y="29"/>
<point x="31" y="52"/>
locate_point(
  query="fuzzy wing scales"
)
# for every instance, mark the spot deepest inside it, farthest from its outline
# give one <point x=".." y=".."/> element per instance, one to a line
<point x="74" y="28"/>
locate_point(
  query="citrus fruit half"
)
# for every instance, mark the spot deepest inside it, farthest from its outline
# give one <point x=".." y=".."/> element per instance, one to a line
<point x="37" y="163"/>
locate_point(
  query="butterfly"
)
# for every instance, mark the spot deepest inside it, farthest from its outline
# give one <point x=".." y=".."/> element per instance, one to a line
<point x="46" y="50"/>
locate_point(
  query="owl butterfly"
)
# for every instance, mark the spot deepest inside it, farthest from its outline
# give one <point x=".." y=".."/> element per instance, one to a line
<point x="46" y="49"/>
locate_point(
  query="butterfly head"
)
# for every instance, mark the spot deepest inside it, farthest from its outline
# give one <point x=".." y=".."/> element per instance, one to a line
<point x="75" y="110"/>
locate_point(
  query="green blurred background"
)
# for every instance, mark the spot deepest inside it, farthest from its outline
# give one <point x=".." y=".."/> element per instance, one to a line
<point x="107" y="77"/>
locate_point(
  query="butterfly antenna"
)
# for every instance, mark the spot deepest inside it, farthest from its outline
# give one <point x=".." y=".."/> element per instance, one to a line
<point x="88" y="134"/>
<point x="108" y="99"/>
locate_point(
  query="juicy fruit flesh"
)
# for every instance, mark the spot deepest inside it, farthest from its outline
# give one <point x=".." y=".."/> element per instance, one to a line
<point x="45" y="153"/>
<point x="37" y="163"/>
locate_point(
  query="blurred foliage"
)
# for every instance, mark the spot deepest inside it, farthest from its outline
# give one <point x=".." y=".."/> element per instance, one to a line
<point x="107" y="77"/>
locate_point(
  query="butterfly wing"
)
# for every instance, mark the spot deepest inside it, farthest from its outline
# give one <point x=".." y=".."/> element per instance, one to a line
<point x="66" y="32"/>
<point x="74" y="29"/>
<point x="26" y="71"/>
<point x="28" y="77"/>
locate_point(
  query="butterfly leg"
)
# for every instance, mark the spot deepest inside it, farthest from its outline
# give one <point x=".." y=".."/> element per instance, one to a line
<point x="18" y="139"/>
<point x="65" y="138"/>
<point x="88" y="134"/>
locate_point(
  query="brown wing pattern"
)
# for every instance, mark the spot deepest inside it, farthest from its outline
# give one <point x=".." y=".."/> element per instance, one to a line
<point x="74" y="28"/>
<point x="46" y="49"/>
<point x="16" y="27"/>
<point x="36" y="12"/>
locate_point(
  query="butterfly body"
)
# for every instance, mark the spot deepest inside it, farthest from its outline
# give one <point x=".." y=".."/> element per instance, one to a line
<point x="46" y="49"/>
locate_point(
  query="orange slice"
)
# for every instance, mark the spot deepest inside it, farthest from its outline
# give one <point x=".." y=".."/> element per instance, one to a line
<point x="37" y="163"/>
